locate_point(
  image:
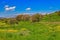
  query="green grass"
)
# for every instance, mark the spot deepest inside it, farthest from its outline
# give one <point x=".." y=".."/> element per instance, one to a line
<point x="38" y="31"/>
<point x="46" y="29"/>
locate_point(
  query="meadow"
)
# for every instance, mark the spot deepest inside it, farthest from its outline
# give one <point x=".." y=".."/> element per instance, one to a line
<point x="46" y="29"/>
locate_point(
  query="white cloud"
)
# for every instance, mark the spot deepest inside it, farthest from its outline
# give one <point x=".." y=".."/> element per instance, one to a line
<point x="28" y="9"/>
<point x="7" y="8"/>
<point x="12" y="7"/>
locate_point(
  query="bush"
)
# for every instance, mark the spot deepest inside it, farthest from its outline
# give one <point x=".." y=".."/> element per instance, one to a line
<point x="12" y="21"/>
<point x="58" y="13"/>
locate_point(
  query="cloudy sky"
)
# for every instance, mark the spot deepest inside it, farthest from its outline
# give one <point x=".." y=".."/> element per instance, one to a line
<point x="10" y="7"/>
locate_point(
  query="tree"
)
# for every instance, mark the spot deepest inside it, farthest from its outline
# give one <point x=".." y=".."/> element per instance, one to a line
<point x="19" y="17"/>
<point x="26" y="17"/>
<point x="36" y="17"/>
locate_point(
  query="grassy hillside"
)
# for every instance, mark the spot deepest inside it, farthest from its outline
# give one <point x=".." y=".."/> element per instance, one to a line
<point x="53" y="17"/>
<point x="48" y="28"/>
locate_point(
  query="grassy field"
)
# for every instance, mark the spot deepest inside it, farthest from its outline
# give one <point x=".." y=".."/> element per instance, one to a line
<point x="30" y="31"/>
<point x="47" y="28"/>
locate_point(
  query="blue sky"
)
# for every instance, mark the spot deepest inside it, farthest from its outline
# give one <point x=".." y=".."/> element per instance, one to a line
<point x="11" y="7"/>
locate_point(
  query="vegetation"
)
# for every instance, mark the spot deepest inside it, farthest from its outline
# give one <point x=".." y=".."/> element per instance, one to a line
<point x="31" y="27"/>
